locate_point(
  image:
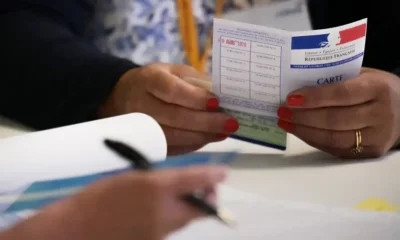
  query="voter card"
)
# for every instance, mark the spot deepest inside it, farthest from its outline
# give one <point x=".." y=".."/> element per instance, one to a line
<point x="256" y="67"/>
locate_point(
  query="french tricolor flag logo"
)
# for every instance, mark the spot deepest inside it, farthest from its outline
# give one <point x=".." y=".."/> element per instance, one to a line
<point x="330" y="39"/>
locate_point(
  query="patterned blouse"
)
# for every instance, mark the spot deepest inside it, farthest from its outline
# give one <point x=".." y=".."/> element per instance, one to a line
<point x="146" y="31"/>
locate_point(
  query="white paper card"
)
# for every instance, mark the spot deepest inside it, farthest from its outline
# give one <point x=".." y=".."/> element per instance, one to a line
<point x="256" y="67"/>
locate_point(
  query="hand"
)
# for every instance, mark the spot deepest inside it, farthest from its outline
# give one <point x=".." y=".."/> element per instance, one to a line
<point x="146" y="206"/>
<point x="187" y="113"/>
<point x="327" y="117"/>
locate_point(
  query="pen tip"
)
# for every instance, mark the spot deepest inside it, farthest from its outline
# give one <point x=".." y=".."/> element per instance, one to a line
<point x="227" y="217"/>
<point x="108" y="141"/>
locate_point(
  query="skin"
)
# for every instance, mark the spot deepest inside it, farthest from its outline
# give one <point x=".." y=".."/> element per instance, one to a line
<point x="182" y="109"/>
<point x="137" y="205"/>
<point x="326" y="117"/>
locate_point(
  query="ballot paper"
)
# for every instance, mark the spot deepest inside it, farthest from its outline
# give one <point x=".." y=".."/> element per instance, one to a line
<point x="262" y="219"/>
<point x="256" y="67"/>
<point x="26" y="200"/>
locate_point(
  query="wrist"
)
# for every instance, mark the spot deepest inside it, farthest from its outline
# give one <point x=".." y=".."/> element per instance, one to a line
<point x="110" y="107"/>
<point x="58" y="221"/>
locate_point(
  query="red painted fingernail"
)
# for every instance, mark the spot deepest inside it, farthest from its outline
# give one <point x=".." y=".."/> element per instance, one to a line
<point x="285" y="113"/>
<point x="231" y="125"/>
<point x="221" y="136"/>
<point x="295" y="100"/>
<point x="287" y="126"/>
<point x="212" y="104"/>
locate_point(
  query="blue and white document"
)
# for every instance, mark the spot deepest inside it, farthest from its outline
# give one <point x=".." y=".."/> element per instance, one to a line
<point x="256" y="67"/>
<point x="24" y="201"/>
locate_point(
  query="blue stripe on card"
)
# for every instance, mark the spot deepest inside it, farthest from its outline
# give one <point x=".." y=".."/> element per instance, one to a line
<point x="56" y="187"/>
<point x="309" y="42"/>
<point x="33" y="204"/>
<point x="69" y="182"/>
<point x="178" y="161"/>
<point x="196" y="159"/>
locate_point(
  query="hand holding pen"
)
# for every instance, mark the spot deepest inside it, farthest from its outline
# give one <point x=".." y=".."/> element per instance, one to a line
<point x="130" y="205"/>
<point x="138" y="161"/>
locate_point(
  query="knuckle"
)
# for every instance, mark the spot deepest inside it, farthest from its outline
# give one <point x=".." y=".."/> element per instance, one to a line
<point x="170" y="91"/>
<point x="157" y="65"/>
<point x="364" y="85"/>
<point x="344" y="90"/>
<point x="335" y="140"/>
<point x="384" y="88"/>
<point x="378" y="151"/>
<point x="182" y="70"/>
<point x="385" y="113"/>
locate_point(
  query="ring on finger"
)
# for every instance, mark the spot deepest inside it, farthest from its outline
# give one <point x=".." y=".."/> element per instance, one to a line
<point x="358" y="148"/>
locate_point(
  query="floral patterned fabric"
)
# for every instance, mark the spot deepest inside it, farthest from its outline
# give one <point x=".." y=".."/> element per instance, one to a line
<point x="146" y="31"/>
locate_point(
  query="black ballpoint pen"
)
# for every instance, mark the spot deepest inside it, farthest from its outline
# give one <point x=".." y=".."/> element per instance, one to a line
<point x="140" y="162"/>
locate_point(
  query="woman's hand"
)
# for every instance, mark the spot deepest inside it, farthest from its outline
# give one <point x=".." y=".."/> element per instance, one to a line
<point x="138" y="205"/>
<point x="187" y="113"/>
<point x="327" y="117"/>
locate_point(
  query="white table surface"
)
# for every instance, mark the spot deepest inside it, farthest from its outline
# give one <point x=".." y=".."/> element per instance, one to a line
<point x="302" y="173"/>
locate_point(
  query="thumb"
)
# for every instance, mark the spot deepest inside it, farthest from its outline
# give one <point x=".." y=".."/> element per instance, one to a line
<point x="190" y="179"/>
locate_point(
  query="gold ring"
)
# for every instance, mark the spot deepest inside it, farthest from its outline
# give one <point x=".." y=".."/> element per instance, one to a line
<point x="358" y="149"/>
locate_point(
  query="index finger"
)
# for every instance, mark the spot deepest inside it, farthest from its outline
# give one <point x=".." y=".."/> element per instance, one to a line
<point x="188" y="180"/>
<point x="346" y="93"/>
<point x="205" y="84"/>
<point x="172" y="89"/>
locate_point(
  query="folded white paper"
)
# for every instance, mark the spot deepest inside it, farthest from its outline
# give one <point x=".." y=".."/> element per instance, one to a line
<point x="77" y="149"/>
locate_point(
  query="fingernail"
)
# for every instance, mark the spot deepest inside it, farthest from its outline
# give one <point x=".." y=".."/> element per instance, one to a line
<point x="231" y="125"/>
<point x="221" y="136"/>
<point x="285" y="113"/>
<point x="287" y="126"/>
<point x="212" y="104"/>
<point x="295" y="100"/>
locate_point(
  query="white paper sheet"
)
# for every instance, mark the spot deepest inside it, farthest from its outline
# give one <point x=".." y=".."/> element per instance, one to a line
<point x="77" y="149"/>
<point x="261" y="219"/>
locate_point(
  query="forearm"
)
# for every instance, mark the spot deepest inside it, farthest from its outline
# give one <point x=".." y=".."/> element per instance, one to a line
<point x="52" y="77"/>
